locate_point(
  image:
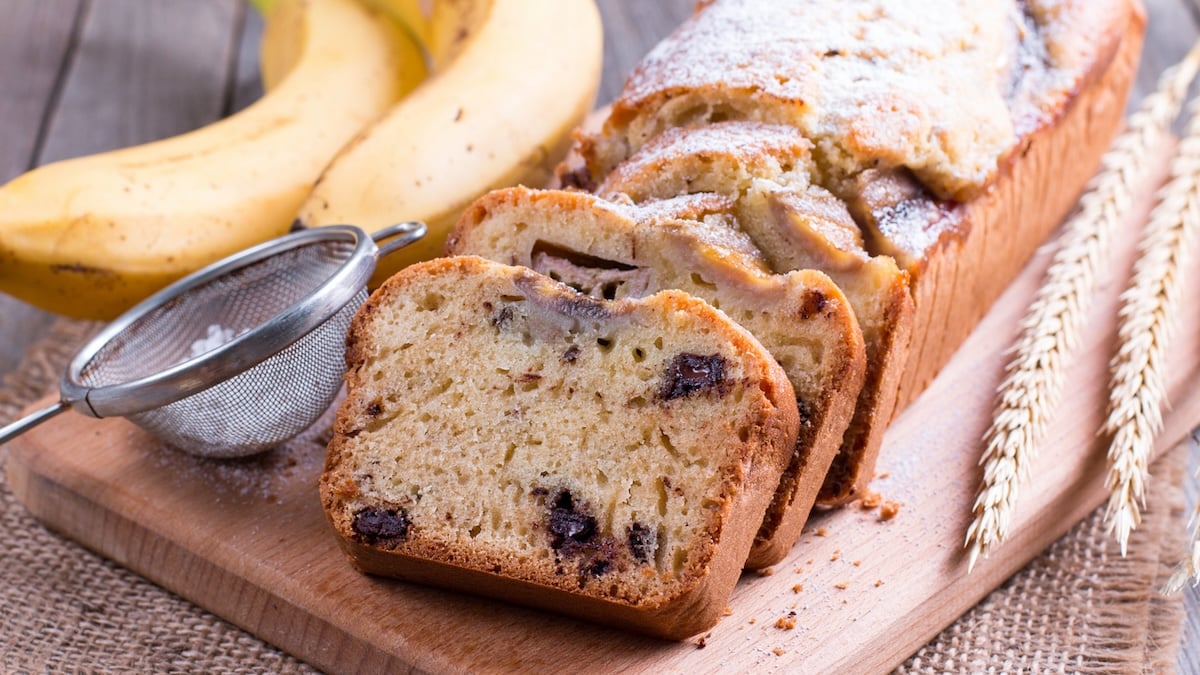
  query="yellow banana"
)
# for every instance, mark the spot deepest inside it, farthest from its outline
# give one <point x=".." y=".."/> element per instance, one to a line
<point x="276" y="56"/>
<point x="511" y="79"/>
<point x="91" y="236"/>
<point x="414" y="15"/>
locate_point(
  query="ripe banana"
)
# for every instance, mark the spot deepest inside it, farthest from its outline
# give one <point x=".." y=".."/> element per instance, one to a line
<point x="89" y="237"/>
<point x="511" y="79"/>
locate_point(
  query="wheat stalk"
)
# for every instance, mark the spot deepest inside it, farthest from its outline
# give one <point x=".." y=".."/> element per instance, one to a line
<point x="1051" y="328"/>
<point x="1148" y="315"/>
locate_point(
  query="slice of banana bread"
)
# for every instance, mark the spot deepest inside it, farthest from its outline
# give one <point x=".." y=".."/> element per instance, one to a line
<point x="505" y="435"/>
<point x="765" y="171"/>
<point x="614" y="250"/>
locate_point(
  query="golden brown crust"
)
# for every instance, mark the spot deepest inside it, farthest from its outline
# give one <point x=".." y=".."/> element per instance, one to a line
<point x="944" y="89"/>
<point x="422" y="487"/>
<point x="968" y="266"/>
<point x="801" y="317"/>
<point x="720" y="158"/>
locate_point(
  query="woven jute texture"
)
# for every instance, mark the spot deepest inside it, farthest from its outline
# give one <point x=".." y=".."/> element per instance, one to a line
<point x="1079" y="607"/>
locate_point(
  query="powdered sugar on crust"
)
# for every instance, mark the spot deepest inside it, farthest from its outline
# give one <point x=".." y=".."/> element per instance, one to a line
<point x="747" y="149"/>
<point x="925" y="85"/>
<point x="709" y="218"/>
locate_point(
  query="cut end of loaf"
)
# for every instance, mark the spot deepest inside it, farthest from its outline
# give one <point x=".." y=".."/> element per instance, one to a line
<point x="619" y="250"/>
<point x="501" y="424"/>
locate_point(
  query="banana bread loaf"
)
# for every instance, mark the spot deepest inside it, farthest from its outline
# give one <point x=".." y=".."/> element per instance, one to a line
<point x="957" y="134"/>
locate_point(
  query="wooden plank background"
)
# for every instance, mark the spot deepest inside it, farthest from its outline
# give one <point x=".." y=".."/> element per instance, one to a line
<point x="81" y="76"/>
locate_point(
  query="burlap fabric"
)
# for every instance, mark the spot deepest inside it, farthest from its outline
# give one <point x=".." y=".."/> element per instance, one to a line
<point x="1079" y="607"/>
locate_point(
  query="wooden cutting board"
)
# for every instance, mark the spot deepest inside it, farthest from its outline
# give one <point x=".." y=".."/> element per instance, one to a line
<point x="248" y="541"/>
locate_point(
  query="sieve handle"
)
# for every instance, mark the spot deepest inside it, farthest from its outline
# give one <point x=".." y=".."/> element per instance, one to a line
<point x="31" y="420"/>
<point x="397" y="236"/>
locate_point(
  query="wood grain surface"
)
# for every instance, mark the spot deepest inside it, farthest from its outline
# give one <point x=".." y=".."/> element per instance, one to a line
<point x="47" y="92"/>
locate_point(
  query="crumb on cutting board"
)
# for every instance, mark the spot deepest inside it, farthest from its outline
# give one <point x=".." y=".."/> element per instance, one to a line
<point x="870" y="501"/>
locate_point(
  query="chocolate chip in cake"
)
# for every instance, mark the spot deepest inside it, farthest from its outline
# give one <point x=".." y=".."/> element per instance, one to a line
<point x="570" y="525"/>
<point x="814" y="303"/>
<point x="598" y="567"/>
<point x="806" y="411"/>
<point x="579" y="177"/>
<point x="503" y="319"/>
<point x="376" y="524"/>
<point x="642" y="542"/>
<point x="692" y="373"/>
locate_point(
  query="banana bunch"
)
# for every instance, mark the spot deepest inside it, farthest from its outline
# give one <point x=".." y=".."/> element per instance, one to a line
<point x="352" y="129"/>
<point x="91" y="236"/>
<point x="511" y="80"/>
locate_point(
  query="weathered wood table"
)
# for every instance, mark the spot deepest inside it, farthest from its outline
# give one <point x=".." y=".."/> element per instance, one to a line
<point x="80" y="76"/>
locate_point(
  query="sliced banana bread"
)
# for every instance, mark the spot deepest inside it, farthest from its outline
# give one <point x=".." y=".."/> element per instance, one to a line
<point x="765" y="172"/>
<point x="614" y="250"/>
<point x="505" y="435"/>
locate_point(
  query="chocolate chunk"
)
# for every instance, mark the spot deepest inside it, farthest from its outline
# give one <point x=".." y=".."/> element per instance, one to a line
<point x="578" y="178"/>
<point x="503" y="318"/>
<point x="642" y="542"/>
<point x="813" y="304"/>
<point x="692" y="373"/>
<point x="374" y="408"/>
<point x="806" y="412"/>
<point x="570" y="526"/>
<point x="376" y="524"/>
<point x="598" y="567"/>
<point x="571" y="354"/>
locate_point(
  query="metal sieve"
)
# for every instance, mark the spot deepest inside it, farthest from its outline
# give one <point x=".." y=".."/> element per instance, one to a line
<point x="237" y="357"/>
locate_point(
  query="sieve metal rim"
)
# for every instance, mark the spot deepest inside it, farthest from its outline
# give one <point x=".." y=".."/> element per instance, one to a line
<point x="238" y="355"/>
